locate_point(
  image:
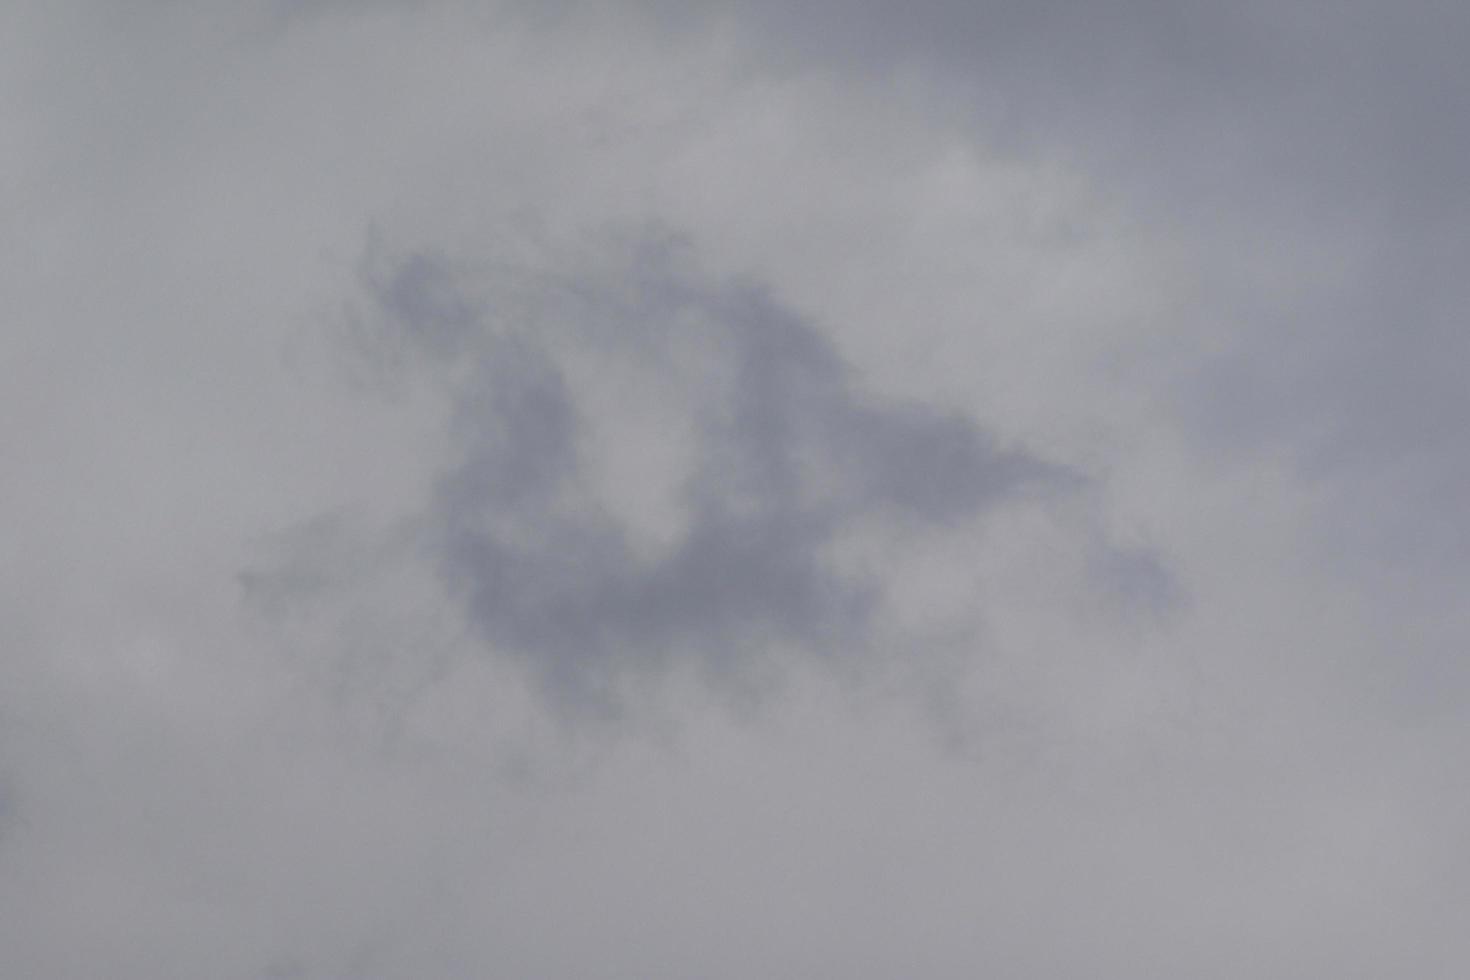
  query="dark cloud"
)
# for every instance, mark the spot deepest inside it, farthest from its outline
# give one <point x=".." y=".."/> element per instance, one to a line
<point x="791" y="454"/>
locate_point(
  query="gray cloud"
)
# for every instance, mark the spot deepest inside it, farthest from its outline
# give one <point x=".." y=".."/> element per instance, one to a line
<point x="1309" y="165"/>
<point x="8" y="812"/>
<point x="1003" y="330"/>
<point x="1310" y="136"/>
<point x="790" y="455"/>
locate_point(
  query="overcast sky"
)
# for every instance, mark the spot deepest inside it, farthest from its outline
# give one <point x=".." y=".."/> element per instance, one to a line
<point x="726" y="490"/>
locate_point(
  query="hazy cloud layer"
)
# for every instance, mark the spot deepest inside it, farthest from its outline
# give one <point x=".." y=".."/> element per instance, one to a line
<point x="985" y="479"/>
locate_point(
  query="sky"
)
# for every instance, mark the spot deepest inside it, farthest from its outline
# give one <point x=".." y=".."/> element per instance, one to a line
<point x="658" y="490"/>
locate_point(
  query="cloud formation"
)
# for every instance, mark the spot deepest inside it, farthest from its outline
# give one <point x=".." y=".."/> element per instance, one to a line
<point x="786" y="456"/>
<point x="1090" y="375"/>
